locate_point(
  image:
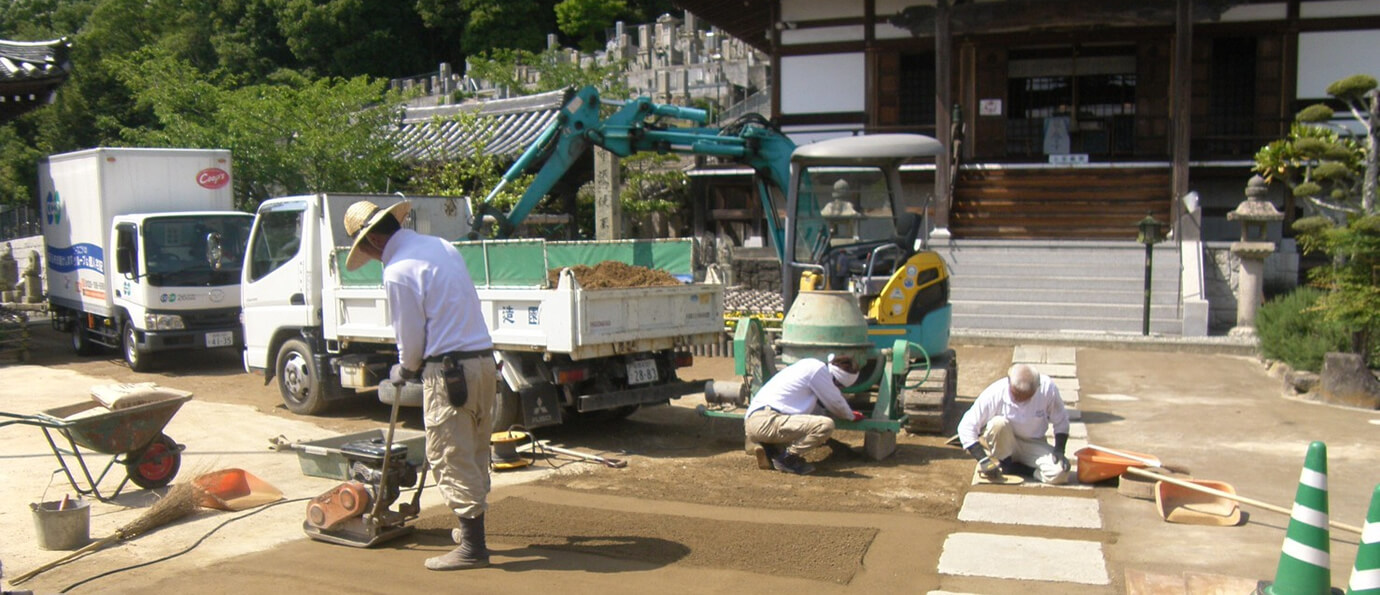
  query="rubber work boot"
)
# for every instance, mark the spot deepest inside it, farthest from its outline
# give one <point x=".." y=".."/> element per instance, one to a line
<point x="472" y="552"/>
<point x="765" y="453"/>
<point x="789" y="462"/>
<point x="1010" y="466"/>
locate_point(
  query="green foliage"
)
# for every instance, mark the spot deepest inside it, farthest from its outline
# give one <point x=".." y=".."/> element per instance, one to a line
<point x="585" y="20"/>
<point x="1352" y="283"/>
<point x="1294" y="331"/>
<point x="510" y="68"/>
<point x="295" y="137"/>
<point x="1331" y="169"/>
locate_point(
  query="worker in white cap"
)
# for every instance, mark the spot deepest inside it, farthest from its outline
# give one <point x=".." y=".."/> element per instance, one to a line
<point x="785" y="418"/>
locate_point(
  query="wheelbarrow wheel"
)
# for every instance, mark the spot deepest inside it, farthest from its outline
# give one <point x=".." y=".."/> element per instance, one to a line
<point x="157" y="465"/>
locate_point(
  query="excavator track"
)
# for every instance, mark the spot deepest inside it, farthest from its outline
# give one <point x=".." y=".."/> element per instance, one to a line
<point x="931" y="406"/>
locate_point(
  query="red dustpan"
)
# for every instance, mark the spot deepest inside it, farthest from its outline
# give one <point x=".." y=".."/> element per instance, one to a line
<point x="235" y="490"/>
<point x="1096" y="465"/>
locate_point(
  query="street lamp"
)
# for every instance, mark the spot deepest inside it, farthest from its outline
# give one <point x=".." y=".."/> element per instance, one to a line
<point x="1149" y="234"/>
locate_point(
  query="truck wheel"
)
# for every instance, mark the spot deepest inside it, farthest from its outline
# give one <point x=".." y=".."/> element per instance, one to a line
<point x="298" y="381"/>
<point x="507" y="408"/>
<point x="81" y="342"/>
<point x="134" y="356"/>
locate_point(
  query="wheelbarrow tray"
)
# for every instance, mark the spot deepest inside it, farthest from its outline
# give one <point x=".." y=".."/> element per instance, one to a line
<point x="112" y="431"/>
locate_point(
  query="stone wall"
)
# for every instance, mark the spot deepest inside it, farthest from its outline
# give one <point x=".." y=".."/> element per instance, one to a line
<point x="754" y="272"/>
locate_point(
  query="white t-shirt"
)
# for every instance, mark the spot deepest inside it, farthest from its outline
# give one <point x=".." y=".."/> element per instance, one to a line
<point x="432" y="299"/>
<point x="801" y="388"/>
<point x="1028" y="420"/>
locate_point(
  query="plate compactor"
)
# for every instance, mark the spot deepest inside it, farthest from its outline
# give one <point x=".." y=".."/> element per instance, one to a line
<point x="357" y="513"/>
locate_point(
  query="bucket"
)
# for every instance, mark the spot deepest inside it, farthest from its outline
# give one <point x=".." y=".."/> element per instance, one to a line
<point x="62" y="528"/>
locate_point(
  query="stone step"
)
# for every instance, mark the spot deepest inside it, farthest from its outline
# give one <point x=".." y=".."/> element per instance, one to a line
<point x="1071" y="273"/>
<point x="1067" y="310"/>
<point x="1026" y="294"/>
<point x="1032" y="322"/>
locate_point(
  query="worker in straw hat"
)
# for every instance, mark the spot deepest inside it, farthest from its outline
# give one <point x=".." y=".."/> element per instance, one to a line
<point x="1005" y="428"/>
<point x="443" y="341"/>
<point x="784" y="418"/>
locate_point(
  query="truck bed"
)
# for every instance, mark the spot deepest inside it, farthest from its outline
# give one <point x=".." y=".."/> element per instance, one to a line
<point x="524" y="314"/>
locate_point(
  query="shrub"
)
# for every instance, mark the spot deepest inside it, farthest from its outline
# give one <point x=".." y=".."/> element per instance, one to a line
<point x="1293" y="331"/>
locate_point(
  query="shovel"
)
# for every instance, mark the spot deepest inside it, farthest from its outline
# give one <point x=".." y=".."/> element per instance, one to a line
<point x="1229" y="496"/>
<point x="545" y="445"/>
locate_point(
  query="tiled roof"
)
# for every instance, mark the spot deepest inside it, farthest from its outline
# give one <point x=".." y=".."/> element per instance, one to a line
<point x="430" y="133"/>
<point x="33" y="60"/>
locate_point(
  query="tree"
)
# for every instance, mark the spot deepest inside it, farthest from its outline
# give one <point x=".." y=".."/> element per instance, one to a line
<point x="1326" y="165"/>
<point x="585" y="20"/>
<point x="1352" y="282"/>
<point x="299" y="136"/>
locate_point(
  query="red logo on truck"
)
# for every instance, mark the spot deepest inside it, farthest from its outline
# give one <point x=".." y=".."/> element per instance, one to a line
<point x="212" y="178"/>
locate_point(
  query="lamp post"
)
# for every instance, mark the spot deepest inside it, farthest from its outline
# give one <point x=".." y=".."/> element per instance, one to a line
<point x="1149" y="234"/>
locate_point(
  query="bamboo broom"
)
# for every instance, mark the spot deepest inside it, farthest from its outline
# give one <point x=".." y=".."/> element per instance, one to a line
<point x="180" y="501"/>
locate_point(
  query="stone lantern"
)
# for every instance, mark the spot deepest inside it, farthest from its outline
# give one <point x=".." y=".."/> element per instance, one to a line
<point x="1255" y="215"/>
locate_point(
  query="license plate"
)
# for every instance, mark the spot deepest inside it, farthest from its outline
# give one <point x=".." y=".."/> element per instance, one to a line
<point x="220" y="339"/>
<point x="642" y="371"/>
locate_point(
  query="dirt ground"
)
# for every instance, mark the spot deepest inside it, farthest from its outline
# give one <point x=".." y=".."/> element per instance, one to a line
<point x="691" y="513"/>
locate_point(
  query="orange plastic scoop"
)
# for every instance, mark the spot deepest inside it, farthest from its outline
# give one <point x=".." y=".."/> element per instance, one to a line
<point x="1095" y="465"/>
<point x="235" y="490"/>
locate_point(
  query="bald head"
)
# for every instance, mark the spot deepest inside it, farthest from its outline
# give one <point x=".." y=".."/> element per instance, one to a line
<point x="1024" y="381"/>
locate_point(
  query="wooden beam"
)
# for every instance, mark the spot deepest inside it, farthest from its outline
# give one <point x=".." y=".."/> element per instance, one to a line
<point x="1182" y="84"/>
<point x="1028" y="15"/>
<point x="943" y="88"/>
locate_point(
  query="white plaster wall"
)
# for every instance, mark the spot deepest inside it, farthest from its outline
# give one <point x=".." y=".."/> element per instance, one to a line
<point x="809" y="10"/>
<point x="821" y="35"/>
<point x="1256" y="12"/>
<point x="1339" y="8"/>
<point x="824" y="83"/>
<point x="1325" y="58"/>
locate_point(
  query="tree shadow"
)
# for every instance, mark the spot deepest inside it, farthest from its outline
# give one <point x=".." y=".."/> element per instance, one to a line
<point x="612" y="553"/>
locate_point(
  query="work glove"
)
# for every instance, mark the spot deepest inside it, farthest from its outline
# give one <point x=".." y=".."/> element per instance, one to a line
<point x="399" y="375"/>
<point x="1062" y="460"/>
<point x="1060" y="442"/>
<point x="986" y="466"/>
<point x="857" y="416"/>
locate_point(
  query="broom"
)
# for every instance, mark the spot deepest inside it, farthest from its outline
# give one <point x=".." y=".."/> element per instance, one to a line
<point x="180" y="501"/>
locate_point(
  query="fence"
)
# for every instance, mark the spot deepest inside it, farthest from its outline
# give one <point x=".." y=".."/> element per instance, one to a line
<point x="20" y="221"/>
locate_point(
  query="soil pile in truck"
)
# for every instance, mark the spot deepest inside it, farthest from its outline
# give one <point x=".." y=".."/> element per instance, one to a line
<point x="613" y="274"/>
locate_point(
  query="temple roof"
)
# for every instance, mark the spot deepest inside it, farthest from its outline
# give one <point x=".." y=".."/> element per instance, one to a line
<point x="30" y="72"/>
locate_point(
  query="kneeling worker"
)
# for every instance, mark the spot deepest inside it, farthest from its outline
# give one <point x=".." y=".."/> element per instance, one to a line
<point x="784" y="414"/>
<point x="1005" y="428"/>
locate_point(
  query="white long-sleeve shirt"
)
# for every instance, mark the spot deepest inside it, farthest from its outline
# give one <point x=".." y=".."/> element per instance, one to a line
<point x="432" y="299"/>
<point x="1028" y="420"/>
<point x="801" y="388"/>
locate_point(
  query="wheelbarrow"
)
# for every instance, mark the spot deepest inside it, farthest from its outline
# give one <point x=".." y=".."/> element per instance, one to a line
<point x="132" y="435"/>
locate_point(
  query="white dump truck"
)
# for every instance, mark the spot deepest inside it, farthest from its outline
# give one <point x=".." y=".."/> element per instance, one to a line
<point x="564" y="350"/>
<point x="129" y="235"/>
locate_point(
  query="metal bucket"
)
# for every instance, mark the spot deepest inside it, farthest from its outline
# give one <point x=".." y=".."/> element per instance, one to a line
<point x="65" y="529"/>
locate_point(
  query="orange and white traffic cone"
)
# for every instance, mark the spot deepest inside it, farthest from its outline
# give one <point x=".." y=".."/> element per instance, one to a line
<point x="1365" y="573"/>
<point x="1305" y="563"/>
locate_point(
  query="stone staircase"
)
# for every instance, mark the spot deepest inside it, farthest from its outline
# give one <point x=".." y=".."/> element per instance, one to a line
<point x="1057" y="286"/>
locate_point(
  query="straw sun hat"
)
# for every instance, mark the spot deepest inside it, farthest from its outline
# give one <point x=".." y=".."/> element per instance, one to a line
<point x="363" y="216"/>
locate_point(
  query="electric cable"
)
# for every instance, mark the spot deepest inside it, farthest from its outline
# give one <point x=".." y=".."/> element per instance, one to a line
<point x="189" y="548"/>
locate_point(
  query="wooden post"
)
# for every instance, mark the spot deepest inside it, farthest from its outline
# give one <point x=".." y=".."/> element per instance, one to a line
<point x="943" y="102"/>
<point x="1181" y="99"/>
<point x="608" y="210"/>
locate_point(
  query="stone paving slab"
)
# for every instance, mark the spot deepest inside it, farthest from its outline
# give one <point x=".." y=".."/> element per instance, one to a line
<point x="1056" y="371"/>
<point x="1024" y="558"/>
<point x="1066" y="385"/>
<point x="1043" y="354"/>
<point x="1024" y="509"/>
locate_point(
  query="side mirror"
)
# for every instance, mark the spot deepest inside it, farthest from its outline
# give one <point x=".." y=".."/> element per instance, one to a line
<point x="124" y="260"/>
<point x="215" y="251"/>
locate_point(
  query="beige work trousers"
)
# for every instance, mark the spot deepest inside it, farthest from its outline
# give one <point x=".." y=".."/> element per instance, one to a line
<point x="1002" y="442"/>
<point x="457" y="439"/>
<point x="803" y="432"/>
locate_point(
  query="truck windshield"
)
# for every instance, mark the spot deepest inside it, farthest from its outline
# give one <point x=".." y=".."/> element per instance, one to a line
<point x="841" y="207"/>
<point x="177" y="250"/>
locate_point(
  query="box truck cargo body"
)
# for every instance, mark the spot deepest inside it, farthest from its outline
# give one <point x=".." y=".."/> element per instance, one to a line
<point x="144" y="249"/>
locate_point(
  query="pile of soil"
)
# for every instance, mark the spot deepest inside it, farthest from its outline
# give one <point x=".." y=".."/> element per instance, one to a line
<point x="613" y="274"/>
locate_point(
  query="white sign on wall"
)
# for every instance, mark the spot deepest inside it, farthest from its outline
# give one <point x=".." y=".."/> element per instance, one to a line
<point x="989" y="107"/>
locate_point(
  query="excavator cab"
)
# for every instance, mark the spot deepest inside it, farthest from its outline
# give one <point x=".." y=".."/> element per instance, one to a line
<point x="851" y="228"/>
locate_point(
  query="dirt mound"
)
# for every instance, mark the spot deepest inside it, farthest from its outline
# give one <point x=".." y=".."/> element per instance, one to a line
<point x="613" y="274"/>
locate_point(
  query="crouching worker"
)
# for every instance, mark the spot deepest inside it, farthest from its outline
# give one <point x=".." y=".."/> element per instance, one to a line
<point x="785" y="416"/>
<point x="1005" y="428"/>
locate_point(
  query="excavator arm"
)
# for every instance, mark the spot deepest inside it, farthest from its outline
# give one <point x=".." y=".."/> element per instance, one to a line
<point x="635" y="127"/>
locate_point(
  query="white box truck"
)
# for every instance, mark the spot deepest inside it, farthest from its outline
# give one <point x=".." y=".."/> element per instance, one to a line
<point x="325" y="333"/>
<point x="144" y="250"/>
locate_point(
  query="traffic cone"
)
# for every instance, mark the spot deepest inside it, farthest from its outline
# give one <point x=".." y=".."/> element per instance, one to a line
<point x="1365" y="573"/>
<point x="1305" y="564"/>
